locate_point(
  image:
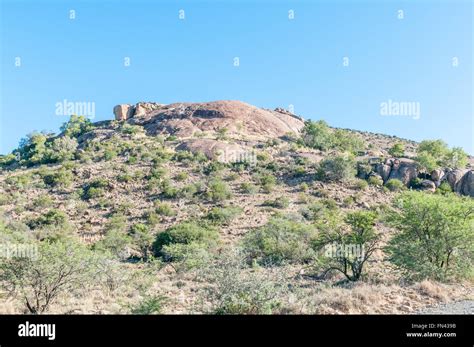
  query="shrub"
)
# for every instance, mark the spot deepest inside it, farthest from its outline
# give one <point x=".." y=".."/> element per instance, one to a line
<point x="280" y="240"/>
<point x="60" y="178"/>
<point x="280" y="202"/>
<point x="315" y="211"/>
<point x="361" y="185"/>
<point x="346" y="141"/>
<point x="397" y="150"/>
<point x="248" y="188"/>
<point x="189" y="191"/>
<point x="168" y="190"/>
<point x="433" y="154"/>
<point x="53" y="217"/>
<point x="94" y="189"/>
<point x="182" y="176"/>
<point x="7" y="160"/>
<point x="61" y="149"/>
<point x="130" y="129"/>
<point x="186" y="256"/>
<point x="76" y="126"/>
<point x="184" y="156"/>
<point x="444" y="188"/>
<point x="62" y="267"/>
<point x="395" y="185"/>
<point x="164" y="209"/>
<point x="20" y="181"/>
<point x="117" y="242"/>
<point x="42" y="201"/>
<point x="32" y="149"/>
<point x="415" y="183"/>
<point x="375" y="181"/>
<point x="185" y="233"/>
<point x="435" y="237"/>
<point x="218" y="190"/>
<point x="364" y="170"/>
<point x="316" y="135"/>
<point x="110" y="154"/>
<point x="143" y="239"/>
<point x="235" y="290"/>
<point x="337" y="168"/>
<point x="223" y="215"/>
<point x="347" y="251"/>
<point x="149" y="305"/>
<point x="267" y="182"/>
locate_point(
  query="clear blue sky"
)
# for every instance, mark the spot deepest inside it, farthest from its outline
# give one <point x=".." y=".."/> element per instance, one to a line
<point x="282" y="61"/>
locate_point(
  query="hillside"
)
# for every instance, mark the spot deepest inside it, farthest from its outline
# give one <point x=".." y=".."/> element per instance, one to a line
<point x="223" y="207"/>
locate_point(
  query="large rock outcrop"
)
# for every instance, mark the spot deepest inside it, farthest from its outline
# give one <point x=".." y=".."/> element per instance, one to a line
<point x="465" y="186"/>
<point x="401" y="169"/>
<point x="232" y="117"/>
<point x="219" y="150"/>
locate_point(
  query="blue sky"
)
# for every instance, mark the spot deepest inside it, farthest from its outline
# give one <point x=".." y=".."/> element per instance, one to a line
<point x="283" y="61"/>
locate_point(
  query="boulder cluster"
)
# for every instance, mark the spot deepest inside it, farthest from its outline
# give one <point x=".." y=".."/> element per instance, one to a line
<point x="405" y="170"/>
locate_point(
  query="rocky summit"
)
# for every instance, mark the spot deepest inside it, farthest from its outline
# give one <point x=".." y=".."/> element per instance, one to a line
<point x="192" y="119"/>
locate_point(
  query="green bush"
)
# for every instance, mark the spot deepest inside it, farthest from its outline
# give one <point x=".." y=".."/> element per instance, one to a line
<point x="186" y="256"/>
<point x="218" y="190"/>
<point x="164" y="209"/>
<point x="117" y="242"/>
<point x="76" y="126"/>
<point x="316" y="135"/>
<point x="60" y="178"/>
<point x="60" y="268"/>
<point x="185" y="233"/>
<point x="361" y="185"/>
<point x="33" y="149"/>
<point x="444" y="188"/>
<point x="319" y="135"/>
<point x="95" y="189"/>
<point x="346" y="141"/>
<point x="375" y="181"/>
<point x="235" y="290"/>
<point x="395" y="185"/>
<point x="20" y="181"/>
<point x="433" y="154"/>
<point x="42" y="201"/>
<point x="280" y="240"/>
<point x="182" y="176"/>
<point x="223" y="215"/>
<point x="130" y="129"/>
<point x="397" y="150"/>
<point x="280" y="202"/>
<point x="346" y="250"/>
<point x="434" y="238"/>
<point x="149" y="305"/>
<point x="61" y="149"/>
<point x="168" y="190"/>
<point x="267" y="181"/>
<point x="143" y="239"/>
<point x="336" y="168"/>
<point x="248" y="188"/>
<point x="53" y="217"/>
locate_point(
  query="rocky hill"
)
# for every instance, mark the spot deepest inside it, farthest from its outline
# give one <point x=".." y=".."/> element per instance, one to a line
<point x="189" y="207"/>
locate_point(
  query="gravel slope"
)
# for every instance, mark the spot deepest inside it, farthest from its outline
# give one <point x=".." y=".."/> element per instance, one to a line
<point x="459" y="307"/>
